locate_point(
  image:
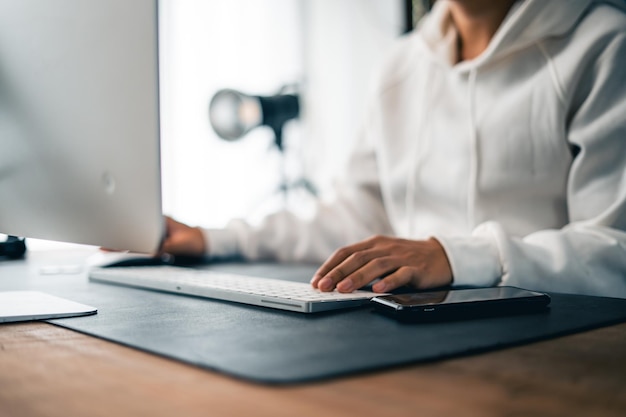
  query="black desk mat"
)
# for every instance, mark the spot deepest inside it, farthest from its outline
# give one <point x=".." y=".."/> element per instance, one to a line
<point x="276" y="347"/>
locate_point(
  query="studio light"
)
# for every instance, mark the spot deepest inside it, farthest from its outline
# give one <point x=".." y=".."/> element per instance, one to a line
<point x="233" y="114"/>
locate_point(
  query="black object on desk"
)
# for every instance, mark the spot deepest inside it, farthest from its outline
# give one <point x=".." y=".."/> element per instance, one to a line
<point x="461" y="304"/>
<point x="278" y="347"/>
<point x="13" y="248"/>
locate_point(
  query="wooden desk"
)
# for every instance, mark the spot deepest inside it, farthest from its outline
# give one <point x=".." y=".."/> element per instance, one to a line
<point x="50" y="371"/>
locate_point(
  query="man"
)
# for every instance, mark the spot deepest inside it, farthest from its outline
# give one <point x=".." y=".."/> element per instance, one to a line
<point x="494" y="153"/>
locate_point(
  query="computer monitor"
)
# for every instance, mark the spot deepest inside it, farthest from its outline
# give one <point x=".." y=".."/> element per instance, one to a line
<point x="79" y="122"/>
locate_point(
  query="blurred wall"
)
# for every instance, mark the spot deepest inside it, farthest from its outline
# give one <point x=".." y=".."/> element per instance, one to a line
<point x="328" y="48"/>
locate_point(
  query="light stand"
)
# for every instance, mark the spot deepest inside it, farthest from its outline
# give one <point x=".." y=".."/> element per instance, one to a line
<point x="233" y="114"/>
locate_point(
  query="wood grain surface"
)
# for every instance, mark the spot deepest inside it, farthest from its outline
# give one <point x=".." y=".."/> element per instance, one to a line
<point x="46" y="370"/>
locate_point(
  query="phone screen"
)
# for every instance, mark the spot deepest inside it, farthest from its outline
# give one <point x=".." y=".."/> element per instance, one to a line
<point x="461" y="303"/>
<point x="461" y="296"/>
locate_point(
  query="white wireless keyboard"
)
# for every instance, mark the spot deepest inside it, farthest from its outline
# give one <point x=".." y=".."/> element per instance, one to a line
<point x="266" y="292"/>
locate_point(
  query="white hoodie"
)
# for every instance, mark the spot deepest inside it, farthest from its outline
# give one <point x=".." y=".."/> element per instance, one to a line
<point x="515" y="161"/>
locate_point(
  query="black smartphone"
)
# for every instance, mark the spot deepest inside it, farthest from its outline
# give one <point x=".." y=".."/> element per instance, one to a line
<point x="459" y="304"/>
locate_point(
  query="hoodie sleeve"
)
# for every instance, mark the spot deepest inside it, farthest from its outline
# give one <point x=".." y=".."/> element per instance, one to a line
<point x="356" y="212"/>
<point x="588" y="255"/>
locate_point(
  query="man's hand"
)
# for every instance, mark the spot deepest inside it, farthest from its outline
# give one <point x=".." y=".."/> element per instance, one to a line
<point x="183" y="240"/>
<point x="420" y="263"/>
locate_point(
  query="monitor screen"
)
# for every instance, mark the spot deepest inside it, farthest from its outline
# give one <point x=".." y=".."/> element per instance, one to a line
<point x="79" y="122"/>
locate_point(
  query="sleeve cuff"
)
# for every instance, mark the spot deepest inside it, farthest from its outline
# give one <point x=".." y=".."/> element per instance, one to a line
<point x="474" y="260"/>
<point x="220" y="243"/>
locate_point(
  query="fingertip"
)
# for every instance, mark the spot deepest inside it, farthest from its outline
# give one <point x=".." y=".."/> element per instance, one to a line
<point x="314" y="281"/>
<point x="381" y="286"/>
<point x="325" y="284"/>
<point x="345" y="286"/>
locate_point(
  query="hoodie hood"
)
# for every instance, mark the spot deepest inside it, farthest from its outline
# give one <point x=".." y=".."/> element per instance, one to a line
<point x="528" y="22"/>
